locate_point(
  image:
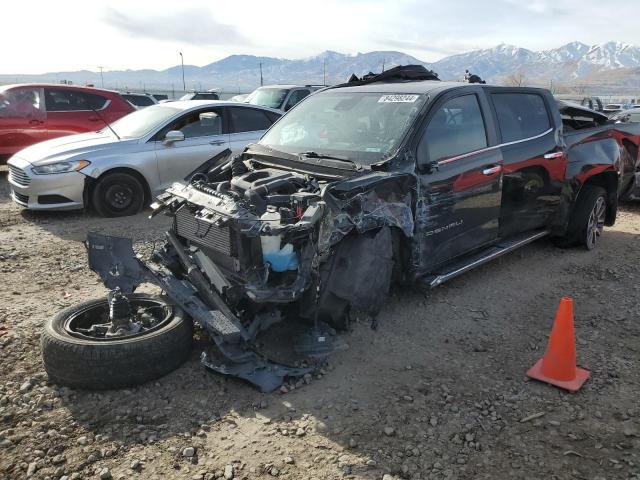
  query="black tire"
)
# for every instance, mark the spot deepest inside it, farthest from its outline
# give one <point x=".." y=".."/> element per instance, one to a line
<point x="587" y="222"/>
<point x="96" y="364"/>
<point x="118" y="194"/>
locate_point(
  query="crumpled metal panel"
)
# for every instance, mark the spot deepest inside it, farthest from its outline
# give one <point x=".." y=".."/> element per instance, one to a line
<point x="385" y="202"/>
<point x="264" y="374"/>
<point x="114" y="260"/>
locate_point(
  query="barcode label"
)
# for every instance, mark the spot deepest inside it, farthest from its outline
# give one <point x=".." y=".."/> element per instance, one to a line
<point x="398" y="98"/>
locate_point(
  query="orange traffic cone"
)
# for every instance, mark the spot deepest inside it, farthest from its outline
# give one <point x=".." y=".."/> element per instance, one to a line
<point x="558" y="366"/>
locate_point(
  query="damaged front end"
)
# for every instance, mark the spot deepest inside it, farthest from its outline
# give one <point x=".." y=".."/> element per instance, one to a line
<point x="252" y="245"/>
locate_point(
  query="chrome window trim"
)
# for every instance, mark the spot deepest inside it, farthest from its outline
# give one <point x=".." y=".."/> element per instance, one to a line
<point x="488" y="149"/>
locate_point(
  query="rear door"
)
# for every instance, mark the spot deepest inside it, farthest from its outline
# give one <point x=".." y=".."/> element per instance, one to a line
<point x="534" y="160"/>
<point x="70" y="111"/>
<point x="205" y="135"/>
<point x="460" y="180"/>
<point x="247" y="125"/>
<point x="22" y="119"/>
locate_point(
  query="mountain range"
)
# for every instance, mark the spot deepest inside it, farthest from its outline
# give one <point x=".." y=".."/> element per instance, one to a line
<point x="609" y="66"/>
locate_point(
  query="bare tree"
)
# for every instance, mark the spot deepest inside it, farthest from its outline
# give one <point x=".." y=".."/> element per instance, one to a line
<point x="516" y="79"/>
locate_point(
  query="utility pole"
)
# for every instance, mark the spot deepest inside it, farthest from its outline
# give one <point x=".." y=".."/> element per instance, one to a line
<point x="383" y="64"/>
<point x="261" y="80"/>
<point x="184" y="86"/>
<point x="101" y="77"/>
<point x="324" y="72"/>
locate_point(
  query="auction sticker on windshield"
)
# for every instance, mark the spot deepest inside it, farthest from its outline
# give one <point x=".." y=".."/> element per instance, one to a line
<point x="398" y="98"/>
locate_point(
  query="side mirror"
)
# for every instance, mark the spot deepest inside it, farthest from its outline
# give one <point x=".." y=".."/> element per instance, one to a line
<point x="425" y="166"/>
<point x="173" y="136"/>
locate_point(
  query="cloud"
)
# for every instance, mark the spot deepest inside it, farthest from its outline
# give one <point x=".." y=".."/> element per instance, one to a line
<point x="193" y="26"/>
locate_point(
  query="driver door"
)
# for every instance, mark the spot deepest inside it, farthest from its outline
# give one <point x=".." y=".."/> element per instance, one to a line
<point x="460" y="172"/>
<point x="205" y="135"/>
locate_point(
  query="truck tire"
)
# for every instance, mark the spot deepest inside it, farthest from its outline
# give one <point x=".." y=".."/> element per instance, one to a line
<point x="587" y="222"/>
<point x="80" y="361"/>
<point x="118" y="194"/>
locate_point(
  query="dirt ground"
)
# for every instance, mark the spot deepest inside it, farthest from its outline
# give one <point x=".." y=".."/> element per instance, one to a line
<point x="438" y="391"/>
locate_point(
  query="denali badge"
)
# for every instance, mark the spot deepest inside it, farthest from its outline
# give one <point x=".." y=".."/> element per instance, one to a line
<point x="435" y="231"/>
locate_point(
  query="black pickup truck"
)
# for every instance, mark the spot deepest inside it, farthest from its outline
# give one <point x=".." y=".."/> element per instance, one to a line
<point x="381" y="180"/>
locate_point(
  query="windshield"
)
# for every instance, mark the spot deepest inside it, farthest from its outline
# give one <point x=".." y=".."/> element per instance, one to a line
<point x="141" y="122"/>
<point x="363" y="127"/>
<point x="267" y="97"/>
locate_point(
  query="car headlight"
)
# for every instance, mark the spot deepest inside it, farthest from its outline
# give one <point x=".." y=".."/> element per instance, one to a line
<point x="60" y="167"/>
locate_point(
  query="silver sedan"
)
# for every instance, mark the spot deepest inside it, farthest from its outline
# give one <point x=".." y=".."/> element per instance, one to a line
<point x="118" y="170"/>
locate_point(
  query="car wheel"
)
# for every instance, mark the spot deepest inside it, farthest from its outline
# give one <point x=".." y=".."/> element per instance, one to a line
<point x="118" y="195"/>
<point x="79" y="356"/>
<point x="587" y="223"/>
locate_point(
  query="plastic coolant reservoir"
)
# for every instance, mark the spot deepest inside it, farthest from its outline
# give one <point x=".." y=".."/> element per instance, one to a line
<point x="280" y="260"/>
<point x="270" y="243"/>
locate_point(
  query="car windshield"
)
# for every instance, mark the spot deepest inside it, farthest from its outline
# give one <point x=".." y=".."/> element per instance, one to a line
<point x="363" y="127"/>
<point x="267" y="97"/>
<point x="141" y="122"/>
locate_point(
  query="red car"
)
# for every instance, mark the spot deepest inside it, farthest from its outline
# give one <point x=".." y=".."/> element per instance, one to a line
<point x="31" y="113"/>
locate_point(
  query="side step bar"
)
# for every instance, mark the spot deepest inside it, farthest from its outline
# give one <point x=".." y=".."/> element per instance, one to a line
<point x="465" y="264"/>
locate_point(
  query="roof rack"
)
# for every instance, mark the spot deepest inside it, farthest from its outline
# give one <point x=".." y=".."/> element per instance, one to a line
<point x="396" y="74"/>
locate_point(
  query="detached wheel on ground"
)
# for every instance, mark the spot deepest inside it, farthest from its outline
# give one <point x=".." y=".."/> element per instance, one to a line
<point x="587" y="223"/>
<point x="118" y="194"/>
<point x="78" y="352"/>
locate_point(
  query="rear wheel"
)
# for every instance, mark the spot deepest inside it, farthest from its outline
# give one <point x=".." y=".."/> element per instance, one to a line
<point x="589" y="216"/>
<point x="79" y="351"/>
<point x="118" y="194"/>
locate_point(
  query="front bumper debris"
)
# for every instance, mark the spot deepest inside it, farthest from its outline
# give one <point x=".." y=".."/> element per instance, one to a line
<point x="114" y="260"/>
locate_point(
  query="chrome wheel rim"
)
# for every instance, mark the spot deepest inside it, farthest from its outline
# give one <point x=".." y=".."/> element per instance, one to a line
<point x="596" y="222"/>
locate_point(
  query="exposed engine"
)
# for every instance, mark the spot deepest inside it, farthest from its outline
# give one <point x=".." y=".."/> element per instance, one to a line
<point x="253" y="234"/>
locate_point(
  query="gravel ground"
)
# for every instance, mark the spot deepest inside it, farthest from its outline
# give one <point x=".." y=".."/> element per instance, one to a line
<point x="438" y="391"/>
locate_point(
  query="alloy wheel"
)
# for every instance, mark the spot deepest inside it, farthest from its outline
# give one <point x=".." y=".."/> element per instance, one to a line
<point x="596" y="222"/>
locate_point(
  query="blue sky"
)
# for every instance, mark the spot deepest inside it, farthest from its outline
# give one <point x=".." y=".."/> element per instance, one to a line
<point x="44" y="36"/>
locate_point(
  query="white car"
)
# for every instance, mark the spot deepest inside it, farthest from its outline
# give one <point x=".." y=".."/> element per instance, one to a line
<point x="280" y="97"/>
<point x="118" y="170"/>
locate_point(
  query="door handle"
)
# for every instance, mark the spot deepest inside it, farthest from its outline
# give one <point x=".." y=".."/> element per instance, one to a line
<point x="492" y="170"/>
<point x="552" y="155"/>
<point x="217" y="142"/>
<point x="35" y="122"/>
<point x="94" y="119"/>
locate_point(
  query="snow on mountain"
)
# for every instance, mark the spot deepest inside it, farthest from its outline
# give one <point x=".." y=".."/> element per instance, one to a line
<point x="566" y="53"/>
<point x="488" y="63"/>
<point x="571" y="62"/>
<point x="614" y="55"/>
